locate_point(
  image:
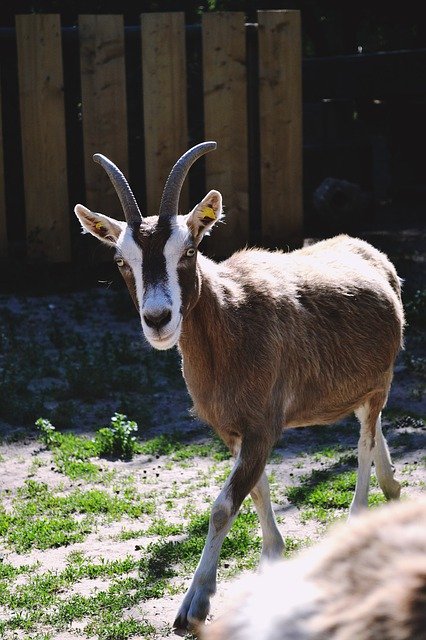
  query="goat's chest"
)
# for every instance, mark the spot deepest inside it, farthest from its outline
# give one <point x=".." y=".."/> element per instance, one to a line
<point x="203" y="388"/>
<point x="227" y="391"/>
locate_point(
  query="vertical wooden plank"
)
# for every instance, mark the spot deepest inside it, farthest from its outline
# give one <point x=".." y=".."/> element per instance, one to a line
<point x="164" y="101"/>
<point x="280" y="103"/>
<point x="43" y="136"/>
<point x="103" y="87"/>
<point x="3" y="224"/>
<point x="225" y="118"/>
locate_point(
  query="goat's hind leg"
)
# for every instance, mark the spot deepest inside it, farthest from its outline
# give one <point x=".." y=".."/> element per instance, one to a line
<point x="372" y="446"/>
<point x="248" y="468"/>
<point x="383" y="465"/>
<point x="272" y="541"/>
<point x="367" y="415"/>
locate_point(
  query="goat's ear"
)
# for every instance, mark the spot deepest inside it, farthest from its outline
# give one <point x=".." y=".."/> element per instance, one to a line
<point x="105" y="229"/>
<point x="204" y="215"/>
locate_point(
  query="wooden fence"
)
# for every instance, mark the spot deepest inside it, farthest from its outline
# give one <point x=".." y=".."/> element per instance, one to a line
<point x="272" y="144"/>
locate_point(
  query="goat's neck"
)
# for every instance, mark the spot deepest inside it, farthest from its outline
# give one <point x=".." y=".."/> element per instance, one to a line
<point x="202" y="323"/>
<point x="206" y="333"/>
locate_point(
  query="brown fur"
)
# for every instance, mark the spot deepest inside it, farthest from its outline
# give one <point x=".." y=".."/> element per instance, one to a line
<point x="368" y="580"/>
<point x="282" y="340"/>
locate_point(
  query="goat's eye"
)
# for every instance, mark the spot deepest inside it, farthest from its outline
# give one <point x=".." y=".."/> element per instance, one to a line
<point x="119" y="262"/>
<point x="190" y="252"/>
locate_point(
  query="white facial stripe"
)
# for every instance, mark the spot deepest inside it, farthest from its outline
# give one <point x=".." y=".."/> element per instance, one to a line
<point x="132" y="254"/>
<point x="173" y="252"/>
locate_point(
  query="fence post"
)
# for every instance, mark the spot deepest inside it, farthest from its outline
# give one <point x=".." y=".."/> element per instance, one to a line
<point x="164" y="101"/>
<point x="103" y="86"/>
<point x="225" y="117"/>
<point x="43" y="136"/>
<point x="280" y="104"/>
<point x="3" y="224"/>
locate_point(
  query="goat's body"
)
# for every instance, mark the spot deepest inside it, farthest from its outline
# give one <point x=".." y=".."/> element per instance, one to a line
<point x="295" y="335"/>
<point x="268" y="340"/>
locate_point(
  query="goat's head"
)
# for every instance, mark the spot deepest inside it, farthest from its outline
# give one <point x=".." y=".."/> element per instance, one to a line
<point x="157" y="255"/>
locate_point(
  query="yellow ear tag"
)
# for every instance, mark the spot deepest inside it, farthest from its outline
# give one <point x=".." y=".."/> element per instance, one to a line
<point x="99" y="225"/>
<point x="207" y="212"/>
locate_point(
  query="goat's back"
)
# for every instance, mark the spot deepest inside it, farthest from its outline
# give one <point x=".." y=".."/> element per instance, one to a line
<point x="341" y="263"/>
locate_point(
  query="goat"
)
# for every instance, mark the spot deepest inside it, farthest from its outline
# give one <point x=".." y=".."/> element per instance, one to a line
<point x="268" y="340"/>
<point x="365" y="581"/>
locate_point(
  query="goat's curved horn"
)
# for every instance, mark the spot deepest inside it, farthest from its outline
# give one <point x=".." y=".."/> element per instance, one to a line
<point x="170" y="198"/>
<point x="128" y="201"/>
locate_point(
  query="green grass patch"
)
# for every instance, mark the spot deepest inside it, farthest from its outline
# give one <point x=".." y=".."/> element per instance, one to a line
<point x="329" y="453"/>
<point x="106" y="606"/>
<point x="43" y="519"/>
<point x="71" y="454"/>
<point x="173" y="446"/>
<point x="122" y="630"/>
<point x="326" y="493"/>
<point x="10" y="572"/>
<point x="161" y="527"/>
<point x="80" y="567"/>
<point x="39" y="600"/>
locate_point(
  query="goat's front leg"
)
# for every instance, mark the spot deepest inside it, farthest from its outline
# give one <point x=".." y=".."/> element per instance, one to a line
<point x="247" y="470"/>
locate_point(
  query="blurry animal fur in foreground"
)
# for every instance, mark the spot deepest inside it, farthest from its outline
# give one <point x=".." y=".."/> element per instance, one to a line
<point x="366" y="580"/>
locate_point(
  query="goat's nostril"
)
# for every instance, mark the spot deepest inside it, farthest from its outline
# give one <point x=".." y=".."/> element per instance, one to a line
<point x="157" y="320"/>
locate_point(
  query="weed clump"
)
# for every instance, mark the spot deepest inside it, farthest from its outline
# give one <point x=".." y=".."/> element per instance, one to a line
<point x="118" y="440"/>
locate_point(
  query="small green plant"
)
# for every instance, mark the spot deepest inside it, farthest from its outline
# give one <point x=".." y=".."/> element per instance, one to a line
<point x="48" y="433"/>
<point x="72" y="453"/>
<point x="118" y="440"/>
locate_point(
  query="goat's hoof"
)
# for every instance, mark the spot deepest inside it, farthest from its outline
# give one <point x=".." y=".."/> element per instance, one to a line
<point x="184" y="623"/>
<point x="181" y="622"/>
<point x="392" y="491"/>
<point x="193" y="612"/>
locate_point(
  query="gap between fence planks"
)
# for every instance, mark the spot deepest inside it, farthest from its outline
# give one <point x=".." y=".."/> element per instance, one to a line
<point x="280" y="104"/>
<point x="43" y="136"/>
<point x="164" y="101"/>
<point x="104" y="104"/>
<point x="3" y="224"/>
<point x="225" y="120"/>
